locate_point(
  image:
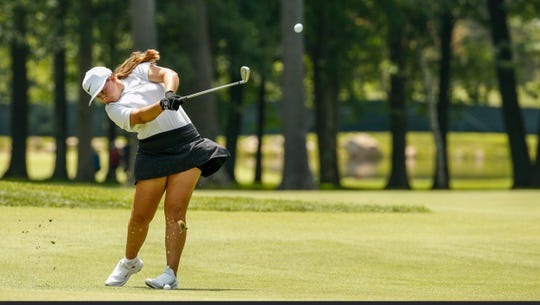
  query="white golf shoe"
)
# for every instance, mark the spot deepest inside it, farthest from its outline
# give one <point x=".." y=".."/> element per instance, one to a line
<point x="167" y="280"/>
<point x="123" y="270"/>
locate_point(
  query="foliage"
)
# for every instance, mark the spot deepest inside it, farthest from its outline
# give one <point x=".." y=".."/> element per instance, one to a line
<point x="248" y="41"/>
<point x="253" y="38"/>
<point x="247" y="32"/>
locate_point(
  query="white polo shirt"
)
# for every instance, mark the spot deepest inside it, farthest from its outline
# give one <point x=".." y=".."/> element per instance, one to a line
<point x="138" y="92"/>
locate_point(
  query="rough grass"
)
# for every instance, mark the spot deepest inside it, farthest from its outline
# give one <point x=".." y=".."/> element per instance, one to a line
<point x="94" y="196"/>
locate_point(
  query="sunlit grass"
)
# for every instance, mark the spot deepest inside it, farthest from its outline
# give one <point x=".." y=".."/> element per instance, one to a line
<point x="61" y="240"/>
<point x="37" y="194"/>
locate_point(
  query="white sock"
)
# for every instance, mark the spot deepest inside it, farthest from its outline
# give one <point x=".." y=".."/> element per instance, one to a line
<point x="132" y="261"/>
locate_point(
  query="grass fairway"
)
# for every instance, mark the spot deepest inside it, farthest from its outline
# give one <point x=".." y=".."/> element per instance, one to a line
<point x="449" y="245"/>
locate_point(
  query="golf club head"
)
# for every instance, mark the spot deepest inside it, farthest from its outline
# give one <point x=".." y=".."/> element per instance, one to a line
<point x="244" y="73"/>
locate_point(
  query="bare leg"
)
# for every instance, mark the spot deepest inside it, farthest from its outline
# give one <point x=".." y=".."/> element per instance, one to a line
<point x="146" y="200"/>
<point x="179" y="190"/>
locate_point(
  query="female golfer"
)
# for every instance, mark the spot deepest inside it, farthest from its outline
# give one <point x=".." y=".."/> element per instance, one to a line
<point x="139" y="97"/>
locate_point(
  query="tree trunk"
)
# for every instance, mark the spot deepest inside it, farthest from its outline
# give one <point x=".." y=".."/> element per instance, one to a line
<point x="536" y="169"/>
<point x="398" y="112"/>
<point x="143" y="25"/>
<point x="296" y="171"/>
<point x="261" y="115"/>
<point x="85" y="151"/>
<point x="60" y="115"/>
<point x="112" y="128"/>
<point x="327" y="126"/>
<point x="441" y="178"/>
<point x="234" y="122"/>
<point x="60" y="105"/>
<point x="19" y="105"/>
<point x="326" y="103"/>
<point x="513" y="121"/>
<point x="111" y="169"/>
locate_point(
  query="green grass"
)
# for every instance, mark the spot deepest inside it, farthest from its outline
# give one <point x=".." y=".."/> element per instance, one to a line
<point x="277" y="245"/>
<point x="88" y="196"/>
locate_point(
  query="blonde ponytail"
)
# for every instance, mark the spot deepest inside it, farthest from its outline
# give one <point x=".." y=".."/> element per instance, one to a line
<point x="136" y="58"/>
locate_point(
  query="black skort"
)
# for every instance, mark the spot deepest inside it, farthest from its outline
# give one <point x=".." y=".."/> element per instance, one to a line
<point x="175" y="151"/>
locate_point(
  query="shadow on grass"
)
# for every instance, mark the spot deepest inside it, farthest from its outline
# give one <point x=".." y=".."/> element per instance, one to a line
<point x="195" y="289"/>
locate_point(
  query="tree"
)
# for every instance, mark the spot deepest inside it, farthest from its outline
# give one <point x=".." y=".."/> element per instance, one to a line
<point x="327" y="54"/>
<point x="396" y="36"/>
<point x="85" y="166"/>
<point x="19" y="105"/>
<point x="513" y="120"/>
<point x="441" y="178"/>
<point x="536" y="168"/>
<point x="528" y="11"/>
<point x="261" y="116"/>
<point x="296" y="171"/>
<point x="143" y="25"/>
<point x="60" y="105"/>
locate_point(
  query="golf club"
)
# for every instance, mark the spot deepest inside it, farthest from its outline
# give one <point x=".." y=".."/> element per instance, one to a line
<point x="244" y="74"/>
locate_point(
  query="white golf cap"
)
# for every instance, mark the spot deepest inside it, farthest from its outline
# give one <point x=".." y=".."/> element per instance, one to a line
<point x="94" y="80"/>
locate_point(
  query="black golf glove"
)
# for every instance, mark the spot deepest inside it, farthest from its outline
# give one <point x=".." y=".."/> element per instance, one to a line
<point x="170" y="95"/>
<point x="171" y="101"/>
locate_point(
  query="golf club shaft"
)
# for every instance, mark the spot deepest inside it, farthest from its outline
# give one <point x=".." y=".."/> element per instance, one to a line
<point x="210" y="90"/>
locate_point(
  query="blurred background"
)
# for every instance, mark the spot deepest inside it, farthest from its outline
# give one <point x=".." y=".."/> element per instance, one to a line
<point x="372" y="94"/>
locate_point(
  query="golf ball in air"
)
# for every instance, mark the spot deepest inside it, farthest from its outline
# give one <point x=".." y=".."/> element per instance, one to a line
<point x="166" y="287"/>
<point x="298" y="27"/>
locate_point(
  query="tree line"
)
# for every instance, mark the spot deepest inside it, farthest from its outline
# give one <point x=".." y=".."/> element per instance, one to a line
<point x="438" y="53"/>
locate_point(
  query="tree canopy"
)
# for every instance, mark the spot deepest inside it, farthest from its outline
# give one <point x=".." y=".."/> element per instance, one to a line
<point x="352" y="52"/>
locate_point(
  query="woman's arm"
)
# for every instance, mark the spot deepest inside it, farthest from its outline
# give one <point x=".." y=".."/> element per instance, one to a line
<point x="157" y="74"/>
<point x="145" y="114"/>
<point x="168" y="77"/>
